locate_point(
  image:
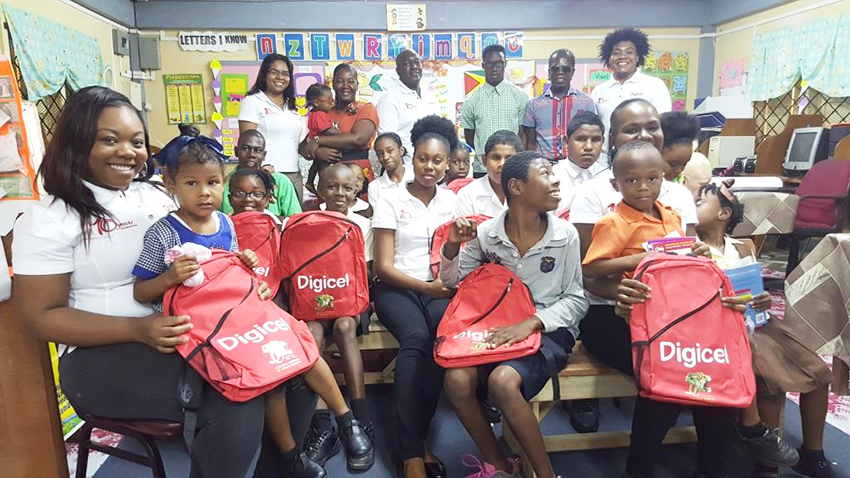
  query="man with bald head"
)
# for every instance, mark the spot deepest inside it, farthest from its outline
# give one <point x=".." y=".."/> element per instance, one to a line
<point x="406" y="102"/>
<point x="547" y="116"/>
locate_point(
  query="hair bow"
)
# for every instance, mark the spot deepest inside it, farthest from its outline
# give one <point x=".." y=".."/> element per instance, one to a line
<point x="170" y="153"/>
<point x="726" y="189"/>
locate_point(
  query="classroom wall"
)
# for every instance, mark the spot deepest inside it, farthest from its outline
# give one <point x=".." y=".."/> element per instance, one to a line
<point x="583" y="42"/>
<point x="76" y="18"/>
<point x="737" y="45"/>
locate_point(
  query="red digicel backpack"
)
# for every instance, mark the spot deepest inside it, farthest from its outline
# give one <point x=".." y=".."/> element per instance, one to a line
<point x="458" y="184"/>
<point x="259" y="232"/>
<point x="686" y="347"/>
<point x="490" y="296"/>
<point x="441" y="235"/>
<point x="241" y="345"/>
<point x="324" y="266"/>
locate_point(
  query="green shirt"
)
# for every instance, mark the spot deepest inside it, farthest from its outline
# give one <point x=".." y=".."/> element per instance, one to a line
<point x="492" y="108"/>
<point x="285" y="200"/>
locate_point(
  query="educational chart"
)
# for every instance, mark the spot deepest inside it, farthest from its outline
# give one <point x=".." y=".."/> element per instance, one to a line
<point x="231" y="82"/>
<point x="670" y="66"/>
<point x="17" y="176"/>
<point x="184" y="99"/>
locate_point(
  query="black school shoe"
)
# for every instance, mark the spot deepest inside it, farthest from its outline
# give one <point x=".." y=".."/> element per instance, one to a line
<point x="768" y="449"/>
<point x="813" y="465"/>
<point x="303" y="467"/>
<point x="584" y="415"/>
<point x="359" y="445"/>
<point x="321" y="446"/>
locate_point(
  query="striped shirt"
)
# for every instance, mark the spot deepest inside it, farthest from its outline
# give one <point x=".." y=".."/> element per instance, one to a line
<point x="550" y="115"/>
<point x="493" y="108"/>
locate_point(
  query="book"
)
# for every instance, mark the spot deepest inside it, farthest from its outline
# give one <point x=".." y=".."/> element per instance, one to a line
<point x="747" y="283"/>
<point x="673" y="245"/>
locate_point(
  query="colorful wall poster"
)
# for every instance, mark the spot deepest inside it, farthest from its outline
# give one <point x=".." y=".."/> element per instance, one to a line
<point x="266" y="45"/>
<point x="406" y="17"/>
<point x="17" y="175"/>
<point x="732" y="73"/>
<point x="513" y="44"/>
<point x="672" y="68"/>
<point x="184" y="99"/>
<point x="70" y="420"/>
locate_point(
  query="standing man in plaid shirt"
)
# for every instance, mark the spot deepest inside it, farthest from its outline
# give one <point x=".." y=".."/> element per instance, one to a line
<point x="546" y="117"/>
<point x="495" y="105"/>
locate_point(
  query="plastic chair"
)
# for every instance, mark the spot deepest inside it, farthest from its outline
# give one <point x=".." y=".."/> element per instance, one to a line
<point x="144" y="431"/>
<point x="823" y="202"/>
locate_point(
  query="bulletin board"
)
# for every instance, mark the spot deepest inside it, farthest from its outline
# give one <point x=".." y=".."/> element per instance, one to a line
<point x="231" y="82"/>
<point x="17" y="176"/>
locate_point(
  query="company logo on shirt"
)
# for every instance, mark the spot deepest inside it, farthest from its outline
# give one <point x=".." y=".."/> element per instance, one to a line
<point x="107" y="226"/>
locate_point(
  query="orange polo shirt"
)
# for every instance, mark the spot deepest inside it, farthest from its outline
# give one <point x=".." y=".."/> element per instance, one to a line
<point x="623" y="231"/>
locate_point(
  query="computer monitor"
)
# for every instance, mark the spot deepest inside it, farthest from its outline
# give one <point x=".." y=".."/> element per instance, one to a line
<point x="807" y="146"/>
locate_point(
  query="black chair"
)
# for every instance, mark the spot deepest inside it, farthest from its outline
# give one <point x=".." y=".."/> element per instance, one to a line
<point x="144" y="431"/>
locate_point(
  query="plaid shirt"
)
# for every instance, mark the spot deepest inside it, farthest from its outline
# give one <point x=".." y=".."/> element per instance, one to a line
<point x="493" y="108"/>
<point x="550" y="116"/>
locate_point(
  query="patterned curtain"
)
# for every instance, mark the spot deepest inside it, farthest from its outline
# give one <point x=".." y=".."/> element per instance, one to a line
<point x="51" y="54"/>
<point x="816" y="51"/>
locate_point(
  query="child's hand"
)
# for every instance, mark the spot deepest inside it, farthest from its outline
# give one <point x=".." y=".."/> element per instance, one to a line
<point x="264" y="291"/>
<point x="738" y="304"/>
<point x="462" y="230"/>
<point x="248" y="257"/>
<point x="436" y="290"/>
<point x="514" y="333"/>
<point x="700" y="249"/>
<point x="163" y="333"/>
<point x="629" y="293"/>
<point x="183" y="268"/>
<point x="761" y="302"/>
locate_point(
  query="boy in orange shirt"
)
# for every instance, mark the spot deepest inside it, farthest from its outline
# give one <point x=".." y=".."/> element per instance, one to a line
<point x="617" y="250"/>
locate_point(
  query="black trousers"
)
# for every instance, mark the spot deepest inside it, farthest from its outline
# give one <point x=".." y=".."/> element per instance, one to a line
<point x="608" y="338"/>
<point x="134" y="381"/>
<point x="412" y="319"/>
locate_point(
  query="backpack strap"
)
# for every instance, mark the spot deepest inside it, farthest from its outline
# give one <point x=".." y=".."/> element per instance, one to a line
<point x="551" y="368"/>
<point x="190" y="390"/>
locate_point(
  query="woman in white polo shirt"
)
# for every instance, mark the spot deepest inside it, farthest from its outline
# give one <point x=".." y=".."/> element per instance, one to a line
<point x="270" y="108"/>
<point x="73" y="254"/>
<point x="623" y="51"/>
<point x="408" y="302"/>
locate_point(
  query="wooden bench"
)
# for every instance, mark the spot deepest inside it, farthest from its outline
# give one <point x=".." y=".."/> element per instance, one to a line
<point x="378" y="338"/>
<point x="585" y="377"/>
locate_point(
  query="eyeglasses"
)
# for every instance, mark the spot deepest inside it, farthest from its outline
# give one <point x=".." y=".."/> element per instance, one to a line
<point x="256" y="195"/>
<point x="561" y="69"/>
<point x="251" y="149"/>
<point x="494" y="64"/>
<point x="278" y="73"/>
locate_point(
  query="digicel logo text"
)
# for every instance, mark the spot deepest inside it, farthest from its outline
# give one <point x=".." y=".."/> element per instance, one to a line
<point x="477" y="336"/>
<point x="318" y="284"/>
<point x="691" y="356"/>
<point x="255" y="335"/>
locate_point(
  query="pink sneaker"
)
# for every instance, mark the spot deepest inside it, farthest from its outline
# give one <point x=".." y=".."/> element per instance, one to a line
<point x="486" y="470"/>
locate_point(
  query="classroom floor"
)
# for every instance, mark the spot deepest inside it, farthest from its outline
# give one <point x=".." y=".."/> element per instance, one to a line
<point x="450" y="441"/>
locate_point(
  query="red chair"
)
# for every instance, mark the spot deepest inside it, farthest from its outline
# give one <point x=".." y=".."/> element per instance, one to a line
<point x="144" y="431"/>
<point x="823" y="202"/>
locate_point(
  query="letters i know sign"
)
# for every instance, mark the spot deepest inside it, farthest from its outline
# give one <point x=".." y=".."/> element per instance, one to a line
<point x="210" y="41"/>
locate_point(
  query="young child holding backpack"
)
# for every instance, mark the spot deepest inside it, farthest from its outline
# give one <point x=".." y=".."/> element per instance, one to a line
<point x="484" y="195"/>
<point x="617" y="249"/>
<point x="337" y="188"/>
<point x="780" y="361"/>
<point x="543" y="251"/>
<point x="407" y="301"/>
<point x="194" y="175"/>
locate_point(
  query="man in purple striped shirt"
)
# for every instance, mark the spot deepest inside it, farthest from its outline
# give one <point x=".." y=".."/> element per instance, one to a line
<point x="547" y="116"/>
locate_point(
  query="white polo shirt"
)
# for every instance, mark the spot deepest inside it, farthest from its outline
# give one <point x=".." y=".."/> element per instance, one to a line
<point x="478" y="197"/>
<point x="414" y="224"/>
<point x="384" y="183"/>
<point x="597" y="197"/>
<point x="610" y="94"/>
<point x="48" y="241"/>
<point x="282" y="129"/>
<point x="399" y="108"/>
<point x="572" y="176"/>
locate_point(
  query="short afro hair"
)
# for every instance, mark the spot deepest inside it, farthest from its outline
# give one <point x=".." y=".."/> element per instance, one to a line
<point x="588" y="118"/>
<point x="516" y="167"/>
<point x="434" y="127"/>
<point x="494" y="48"/>
<point x="505" y="137"/>
<point x="633" y="145"/>
<point x="615" y="121"/>
<point x="679" y="128"/>
<point x="265" y="178"/>
<point x="315" y="91"/>
<point x="637" y="37"/>
<point x="735" y="207"/>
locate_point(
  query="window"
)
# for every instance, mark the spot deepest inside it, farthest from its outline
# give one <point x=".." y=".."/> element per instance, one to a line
<point x="771" y="116"/>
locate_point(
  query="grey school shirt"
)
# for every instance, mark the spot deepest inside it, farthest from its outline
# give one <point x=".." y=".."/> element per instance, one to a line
<point x="551" y="269"/>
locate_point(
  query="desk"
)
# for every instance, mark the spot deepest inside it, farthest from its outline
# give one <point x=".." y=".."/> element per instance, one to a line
<point x="817" y="294"/>
<point x="766" y="213"/>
